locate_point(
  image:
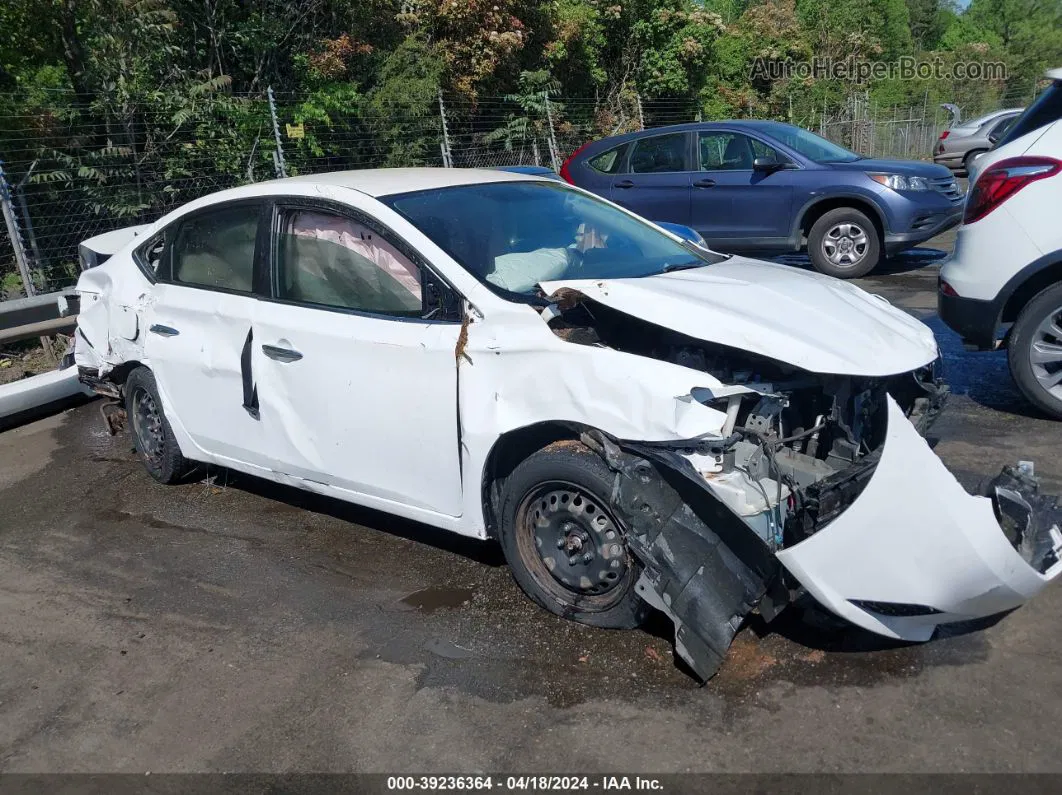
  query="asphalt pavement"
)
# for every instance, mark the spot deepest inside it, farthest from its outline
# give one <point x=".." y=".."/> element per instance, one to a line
<point x="234" y="625"/>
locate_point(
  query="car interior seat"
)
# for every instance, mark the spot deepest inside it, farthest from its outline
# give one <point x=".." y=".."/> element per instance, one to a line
<point x="737" y="155"/>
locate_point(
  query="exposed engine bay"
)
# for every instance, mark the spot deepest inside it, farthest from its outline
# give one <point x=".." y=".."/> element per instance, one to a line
<point x="796" y="447"/>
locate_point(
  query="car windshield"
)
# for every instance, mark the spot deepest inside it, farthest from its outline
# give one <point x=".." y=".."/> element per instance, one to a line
<point x="814" y="147"/>
<point x="513" y="235"/>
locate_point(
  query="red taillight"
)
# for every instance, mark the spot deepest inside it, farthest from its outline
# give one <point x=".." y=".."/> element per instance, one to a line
<point x="1001" y="180"/>
<point x="565" y="172"/>
<point x="947" y="289"/>
<point x="945" y="134"/>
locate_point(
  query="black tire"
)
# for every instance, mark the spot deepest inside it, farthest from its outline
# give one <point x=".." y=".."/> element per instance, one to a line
<point x="1029" y="330"/>
<point x="535" y="519"/>
<point x="968" y="158"/>
<point x="864" y="252"/>
<point x="151" y="432"/>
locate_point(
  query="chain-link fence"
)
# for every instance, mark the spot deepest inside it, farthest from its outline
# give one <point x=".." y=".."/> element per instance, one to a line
<point x="897" y="131"/>
<point x="73" y="174"/>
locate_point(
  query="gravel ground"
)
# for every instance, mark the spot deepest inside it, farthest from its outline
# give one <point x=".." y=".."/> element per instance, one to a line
<point x="234" y="625"/>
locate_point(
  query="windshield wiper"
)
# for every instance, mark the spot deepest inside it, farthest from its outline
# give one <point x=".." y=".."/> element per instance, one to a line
<point x="682" y="266"/>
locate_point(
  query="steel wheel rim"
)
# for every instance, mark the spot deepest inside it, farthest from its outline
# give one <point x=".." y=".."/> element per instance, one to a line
<point x="573" y="545"/>
<point x="147" y="426"/>
<point x="1045" y="353"/>
<point x="845" y="245"/>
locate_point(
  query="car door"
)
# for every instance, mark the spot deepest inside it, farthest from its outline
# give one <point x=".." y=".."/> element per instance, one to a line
<point x="732" y="203"/>
<point x="357" y="388"/>
<point x="199" y="326"/>
<point x="656" y="182"/>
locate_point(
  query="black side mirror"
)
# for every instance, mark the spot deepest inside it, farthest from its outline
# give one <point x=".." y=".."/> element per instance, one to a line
<point x="993" y="138"/>
<point x="767" y="165"/>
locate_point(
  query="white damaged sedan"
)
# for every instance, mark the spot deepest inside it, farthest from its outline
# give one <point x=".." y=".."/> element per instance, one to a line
<point x="639" y="422"/>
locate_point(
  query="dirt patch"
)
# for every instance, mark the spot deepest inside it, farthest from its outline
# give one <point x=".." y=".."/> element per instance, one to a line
<point x="26" y="360"/>
<point x="571" y="445"/>
<point x="747" y="659"/>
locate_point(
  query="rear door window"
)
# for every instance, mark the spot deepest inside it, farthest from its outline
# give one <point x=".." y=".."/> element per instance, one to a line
<point x="1046" y="110"/>
<point x="660" y="154"/>
<point x="216" y="249"/>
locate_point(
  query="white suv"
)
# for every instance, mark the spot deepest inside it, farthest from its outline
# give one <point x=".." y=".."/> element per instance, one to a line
<point x="1006" y="272"/>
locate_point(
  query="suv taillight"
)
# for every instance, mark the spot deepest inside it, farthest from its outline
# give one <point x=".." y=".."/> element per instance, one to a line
<point x="945" y="134"/>
<point x="565" y="171"/>
<point x="1001" y="180"/>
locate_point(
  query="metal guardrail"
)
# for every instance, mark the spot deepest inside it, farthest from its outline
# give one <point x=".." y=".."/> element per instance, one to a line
<point x="38" y="315"/>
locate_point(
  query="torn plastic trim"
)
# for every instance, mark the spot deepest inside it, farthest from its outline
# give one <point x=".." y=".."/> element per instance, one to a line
<point x="703" y="566"/>
<point x="1031" y="521"/>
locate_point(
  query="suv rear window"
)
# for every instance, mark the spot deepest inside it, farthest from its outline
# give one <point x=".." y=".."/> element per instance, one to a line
<point x="1047" y="109"/>
<point x="608" y="162"/>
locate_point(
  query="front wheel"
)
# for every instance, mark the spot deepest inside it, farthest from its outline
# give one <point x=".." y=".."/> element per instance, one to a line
<point x="844" y="243"/>
<point x="564" y="545"/>
<point x="1035" y="351"/>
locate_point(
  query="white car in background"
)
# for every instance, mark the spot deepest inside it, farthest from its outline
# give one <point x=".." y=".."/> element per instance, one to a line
<point x="1002" y="287"/>
<point x="639" y="422"/>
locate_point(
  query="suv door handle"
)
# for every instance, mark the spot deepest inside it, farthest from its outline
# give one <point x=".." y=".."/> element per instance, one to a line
<point x="164" y="331"/>
<point x="284" y="355"/>
<point x="704" y="183"/>
<point x="626" y="183"/>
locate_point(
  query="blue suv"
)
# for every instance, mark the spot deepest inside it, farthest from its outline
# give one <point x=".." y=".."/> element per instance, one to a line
<point x="770" y="187"/>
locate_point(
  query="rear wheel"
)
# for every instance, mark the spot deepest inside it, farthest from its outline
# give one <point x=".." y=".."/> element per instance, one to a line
<point x="565" y="546"/>
<point x="151" y="431"/>
<point x="844" y="243"/>
<point x="1035" y="351"/>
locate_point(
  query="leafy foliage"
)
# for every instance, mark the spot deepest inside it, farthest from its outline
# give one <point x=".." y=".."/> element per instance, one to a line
<point x="120" y="109"/>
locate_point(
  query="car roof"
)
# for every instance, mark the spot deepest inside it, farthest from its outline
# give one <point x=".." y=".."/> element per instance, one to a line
<point x="764" y="125"/>
<point x="385" y="181"/>
<point x="987" y="117"/>
<point x="375" y="182"/>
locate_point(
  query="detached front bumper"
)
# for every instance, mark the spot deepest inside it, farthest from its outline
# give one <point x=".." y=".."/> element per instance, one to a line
<point x="914" y="550"/>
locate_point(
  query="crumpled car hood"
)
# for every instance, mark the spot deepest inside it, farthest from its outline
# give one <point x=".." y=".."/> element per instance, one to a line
<point x="812" y="321"/>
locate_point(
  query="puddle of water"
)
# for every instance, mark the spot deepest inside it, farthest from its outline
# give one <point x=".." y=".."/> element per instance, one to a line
<point x="432" y="598"/>
<point x="447" y="649"/>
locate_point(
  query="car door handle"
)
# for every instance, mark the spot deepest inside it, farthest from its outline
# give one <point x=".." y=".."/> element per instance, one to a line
<point x="285" y="355"/>
<point x="164" y="331"/>
<point x="626" y="183"/>
<point x="704" y="183"/>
